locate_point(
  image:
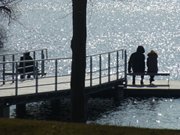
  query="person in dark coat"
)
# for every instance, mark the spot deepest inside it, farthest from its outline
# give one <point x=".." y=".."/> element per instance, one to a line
<point x="26" y="65"/>
<point x="137" y="63"/>
<point x="152" y="64"/>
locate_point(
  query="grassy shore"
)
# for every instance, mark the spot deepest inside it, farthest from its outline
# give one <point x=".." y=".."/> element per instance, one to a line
<point x="32" y="127"/>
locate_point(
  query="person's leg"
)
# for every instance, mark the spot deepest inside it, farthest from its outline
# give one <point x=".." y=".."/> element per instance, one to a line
<point x="133" y="82"/>
<point x="142" y="78"/>
<point x="151" y="79"/>
<point x="21" y="76"/>
<point x="28" y="76"/>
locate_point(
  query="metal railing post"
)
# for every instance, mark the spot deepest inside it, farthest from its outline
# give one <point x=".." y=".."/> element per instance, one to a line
<point x="16" y="85"/>
<point x="117" y="64"/>
<point x="36" y="77"/>
<point x="91" y="70"/>
<point x="13" y="59"/>
<point x="42" y="62"/>
<point x="109" y="68"/>
<point x="4" y="59"/>
<point x="35" y="69"/>
<point x="100" y="69"/>
<point x="24" y="66"/>
<point x="125" y="67"/>
<point x="56" y="65"/>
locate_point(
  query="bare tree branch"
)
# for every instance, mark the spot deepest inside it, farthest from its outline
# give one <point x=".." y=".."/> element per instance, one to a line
<point x="6" y="9"/>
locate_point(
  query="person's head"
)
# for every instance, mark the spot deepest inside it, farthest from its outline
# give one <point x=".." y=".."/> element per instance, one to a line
<point x="140" y="49"/>
<point x="152" y="53"/>
<point x="26" y="53"/>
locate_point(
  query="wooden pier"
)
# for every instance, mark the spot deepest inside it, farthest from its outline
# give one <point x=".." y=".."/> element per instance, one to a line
<point x="159" y="88"/>
<point x="105" y="73"/>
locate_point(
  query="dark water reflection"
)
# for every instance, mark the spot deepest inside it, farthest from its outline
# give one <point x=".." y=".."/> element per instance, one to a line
<point x="50" y="110"/>
<point x="138" y="112"/>
<point x="61" y="110"/>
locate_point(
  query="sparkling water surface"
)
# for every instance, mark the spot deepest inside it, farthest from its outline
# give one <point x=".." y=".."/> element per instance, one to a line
<point x="111" y="25"/>
<point x="148" y="113"/>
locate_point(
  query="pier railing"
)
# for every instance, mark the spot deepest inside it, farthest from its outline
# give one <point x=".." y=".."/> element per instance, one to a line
<point x="36" y="54"/>
<point x="56" y="75"/>
<point x="8" y="61"/>
<point x="106" y="67"/>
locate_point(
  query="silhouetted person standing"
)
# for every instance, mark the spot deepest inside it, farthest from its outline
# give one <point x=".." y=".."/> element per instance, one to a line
<point x="137" y="63"/>
<point x="152" y="64"/>
<point x="26" y="65"/>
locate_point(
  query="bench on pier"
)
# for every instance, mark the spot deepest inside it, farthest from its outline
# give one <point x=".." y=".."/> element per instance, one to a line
<point x="148" y="74"/>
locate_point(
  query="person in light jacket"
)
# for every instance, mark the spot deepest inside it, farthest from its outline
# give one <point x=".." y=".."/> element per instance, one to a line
<point x="152" y="64"/>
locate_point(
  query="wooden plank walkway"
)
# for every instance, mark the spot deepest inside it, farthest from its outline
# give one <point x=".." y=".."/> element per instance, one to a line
<point x="46" y="84"/>
<point x="159" y="89"/>
<point x="158" y="84"/>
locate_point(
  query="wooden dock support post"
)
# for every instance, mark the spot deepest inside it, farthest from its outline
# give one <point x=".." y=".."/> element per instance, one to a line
<point x="118" y="94"/>
<point x="20" y="110"/>
<point x="55" y="107"/>
<point x="4" y="111"/>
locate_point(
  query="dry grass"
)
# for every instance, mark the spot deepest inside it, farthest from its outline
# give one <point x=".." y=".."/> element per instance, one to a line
<point x="32" y="127"/>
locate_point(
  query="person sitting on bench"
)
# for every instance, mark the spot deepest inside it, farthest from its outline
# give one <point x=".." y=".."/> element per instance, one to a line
<point x="152" y="64"/>
<point x="137" y="63"/>
<point x="26" y="65"/>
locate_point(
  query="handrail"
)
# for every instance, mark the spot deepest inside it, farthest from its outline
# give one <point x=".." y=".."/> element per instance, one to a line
<point x="9" y="60"/>
<point x="58" y="57"/>
<point x="100" y="68"/>
<point x="35" y="60"/>
<point x="23" y="52"/>
<point x="105" y="53"/>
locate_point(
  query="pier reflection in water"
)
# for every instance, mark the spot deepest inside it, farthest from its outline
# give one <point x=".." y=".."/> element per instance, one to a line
<point x="61" y="110"/>
<point x="138" y="112"/>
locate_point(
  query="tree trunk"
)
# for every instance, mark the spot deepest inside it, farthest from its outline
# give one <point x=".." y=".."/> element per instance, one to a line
<point x="78" y="46"/>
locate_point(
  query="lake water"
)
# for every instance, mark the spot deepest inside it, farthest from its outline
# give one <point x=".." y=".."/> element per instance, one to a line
<point x="148" y="113"/>
<point x="111" y="24"/>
